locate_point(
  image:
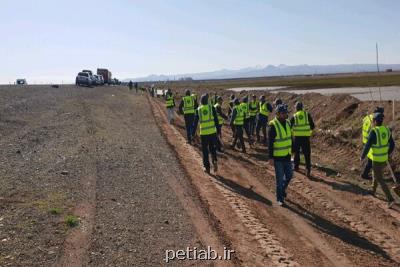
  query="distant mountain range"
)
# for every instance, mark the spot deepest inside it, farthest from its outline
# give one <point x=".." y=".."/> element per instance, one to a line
<point x="271" y="70"/>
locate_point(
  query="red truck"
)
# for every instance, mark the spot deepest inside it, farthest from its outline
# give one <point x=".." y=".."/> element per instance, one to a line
<point x="107" y="75"/>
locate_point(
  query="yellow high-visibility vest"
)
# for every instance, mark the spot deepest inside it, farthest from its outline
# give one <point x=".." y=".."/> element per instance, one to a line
<point x="301" y="125"/>
<point x="206" y="120"/>
<point x="380" y="151"/>
<point x="239" y="119"/>
<point x="283" y="140"/>
<point x="170" y="101"/>
<point x="188" y="104"/>
<point x="220" y="119"/>
<point x="366" y="127"/>
<point x="253" y="108"/>
<point x="263" y="109"/>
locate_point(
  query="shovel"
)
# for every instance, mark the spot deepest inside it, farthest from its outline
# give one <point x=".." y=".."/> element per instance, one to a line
<point x="396" y="187"/>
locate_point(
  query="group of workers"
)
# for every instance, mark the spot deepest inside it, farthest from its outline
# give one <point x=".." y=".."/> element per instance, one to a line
<point x="284" y="136"/>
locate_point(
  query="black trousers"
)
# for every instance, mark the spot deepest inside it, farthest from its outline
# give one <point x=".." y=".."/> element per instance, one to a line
<point x="219" y="137"/>
<point x="239" y="135"/>
<point x="262" y="125"/>
<point x="233" y="130"/>
<point x="252" y="125"/>
<point x="367" y="168"/>
<point x="208" y="145"/>
<point x="246" y="126"/>
<point x="302" y="143"/>
<point x="190" y="128"/>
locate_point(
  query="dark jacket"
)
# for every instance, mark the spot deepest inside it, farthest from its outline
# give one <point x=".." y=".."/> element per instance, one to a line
<point x="233" y="115"/>
<point x="271" y="140"/>
<point x="372" y="141"/>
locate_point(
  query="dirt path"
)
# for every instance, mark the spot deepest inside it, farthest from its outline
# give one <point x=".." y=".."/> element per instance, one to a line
<point x="326" y="223"/>
<point x="109" y="159"/>
<point x="95" y="154"/>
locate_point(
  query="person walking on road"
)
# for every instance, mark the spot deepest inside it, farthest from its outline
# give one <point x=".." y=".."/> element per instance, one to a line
<point x="187" y="107"/>
<point x="379" y="146"/>
<point x="280" y="148"/>
<point x="253" y="110"/>
<point x="170" y="104"/>
<point x="237" y="120"/>
<point x="136" y="87"/>
<point x="207" y="118"/>
<point x="302" y="126"/>
<point x="246" y="123"/>
<point x="130" y="85"/>
<point x="366" y="130"/>
<point x="221" y="117"/>
<point x="230" y="112"/>
<point x="262" y="122"/>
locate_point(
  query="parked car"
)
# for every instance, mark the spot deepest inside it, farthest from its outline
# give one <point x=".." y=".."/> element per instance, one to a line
<point x="83" y="78"/>
<point x="96" y="80"/>
<point x="21" y="82"/>
<point x="101" y="79"/>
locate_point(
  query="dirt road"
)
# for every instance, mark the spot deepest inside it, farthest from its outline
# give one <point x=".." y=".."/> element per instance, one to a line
<point x="95" y="154"/>
<point x="326" y="222"/>
<point x="108" y="158"/>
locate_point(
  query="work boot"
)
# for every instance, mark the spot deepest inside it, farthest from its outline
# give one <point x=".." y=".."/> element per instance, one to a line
<point x="207" y="170"/>
<point x="308" y="173"/>
<point x="215" y="165"/>
<point x="390" y="204"/>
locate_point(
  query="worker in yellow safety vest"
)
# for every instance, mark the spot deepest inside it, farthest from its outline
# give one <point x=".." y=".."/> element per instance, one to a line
<point x="221" y="117"/>
<point x="237" y="119"/>
<point x="170" y="104"/>
<point x="302" y="126"/>
<point x="253" y="110"/>
<point x="187" y="107"/>
<point x="366" y="129"/>
<point x="262" y="122"/>
<point x="280" y="149"/>
<point x="207" y="118"/>
<point x="246" y="122"/>
<point x="378" y="147"/>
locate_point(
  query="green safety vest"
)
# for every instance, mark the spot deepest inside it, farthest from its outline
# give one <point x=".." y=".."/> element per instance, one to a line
<point x="301" y="125"/>
<point x="253" y="108"/>
<point x="246" y="110"/>
<point x="239" y="119"/>
<point x="220" y="119"/>
<point x="366" y="127"/>
<point x="283" y="140"/>
<point x="170" y="101"/>
<point x="206" y="120"/>
<point x="188" y="105"/>
<point x="263" y="109"/>
<point x="380" y="151"/>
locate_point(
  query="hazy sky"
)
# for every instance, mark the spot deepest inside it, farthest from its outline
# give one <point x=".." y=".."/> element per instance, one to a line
<point x="47" y="41"/>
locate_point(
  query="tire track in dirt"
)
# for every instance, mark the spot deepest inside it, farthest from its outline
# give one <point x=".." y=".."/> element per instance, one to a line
<point x="338" y="212"/>
<point x="77" y="242"/>
<point x="232" y="201"/>
<point x="267" y="239"/>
